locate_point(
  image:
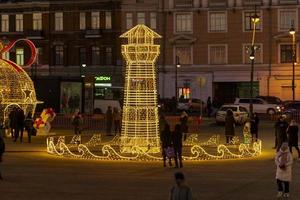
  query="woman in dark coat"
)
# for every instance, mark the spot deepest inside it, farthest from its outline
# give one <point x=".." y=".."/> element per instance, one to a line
<point x="229" y="126"/>
<point x="293" y="136"/>
<point x="280" y="130"/>
<point x="165" y="138"/>
<point x="177" y="144"/>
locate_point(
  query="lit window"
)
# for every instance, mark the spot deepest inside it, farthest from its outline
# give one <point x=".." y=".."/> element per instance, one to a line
<point x="37" y="21"/>
<point x="217" y="54"/>
<point x="19" y="22"/>
<point x="183" y="22"/>
<point x="108" y="22"/>
<point x="95" y="56"/>
<point x="258" y="53"/>
<point x="95" y="20"/>
<point x="20" y="56"/>
<point x="217" y="21"/>
<point x="59" y="21"/>
<point x="5" y="55"/>
<point x="286" y="53"/>
<point x="184" y="54"/>
<point x="248" y="21"/>
<point x="82" y="21"/>
<point x="108" y="55"/>
<point x="59" y="55"/>
<point x="141" y="18"/>
<point x="286" y="18"/>
<point x="5" y="23"/>
<point x="153" y="20"/>
<point x="184" y="93"/>
<point x="129" y="20"/>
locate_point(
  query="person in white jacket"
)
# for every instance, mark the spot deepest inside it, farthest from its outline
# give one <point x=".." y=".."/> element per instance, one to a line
<point x="284" y="161"/>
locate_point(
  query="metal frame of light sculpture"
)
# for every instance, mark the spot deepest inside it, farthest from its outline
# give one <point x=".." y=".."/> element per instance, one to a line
<point x="140" y="109"/>
<point x="194" y="150"/>
<point x="16" y="88"/>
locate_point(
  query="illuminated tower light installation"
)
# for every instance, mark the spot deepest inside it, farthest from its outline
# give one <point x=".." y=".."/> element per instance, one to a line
<point x="140" y="110"/>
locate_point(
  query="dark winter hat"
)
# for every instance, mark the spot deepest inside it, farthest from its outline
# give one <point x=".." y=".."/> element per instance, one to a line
<point x="179" y="175"/>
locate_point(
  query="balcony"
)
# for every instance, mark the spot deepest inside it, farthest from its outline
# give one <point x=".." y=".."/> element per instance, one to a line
<point x="288" y="2"/>
<point x="93" y="33"/>
<point x="183" y="3"/>
<point x="217" y="3"/>
<point x="34" y="34"/>
<point x="252" y="2"/>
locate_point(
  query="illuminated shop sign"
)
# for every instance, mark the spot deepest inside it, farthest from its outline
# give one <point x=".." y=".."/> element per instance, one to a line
<point x="102" y="78"/>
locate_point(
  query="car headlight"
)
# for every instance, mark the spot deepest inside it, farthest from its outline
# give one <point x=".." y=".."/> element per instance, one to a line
<point x="278" y="108"/>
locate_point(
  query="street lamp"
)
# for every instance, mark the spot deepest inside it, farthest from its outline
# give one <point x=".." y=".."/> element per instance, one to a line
<point x="177" y="65"/>
<point x="254" y="20"/>
<point x="293" y="34"/>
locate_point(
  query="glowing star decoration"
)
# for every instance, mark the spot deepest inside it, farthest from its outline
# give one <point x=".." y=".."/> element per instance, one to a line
<point x="140" y="110"/>
<point x="16" y="88"/>
<point x="43" y="123"/>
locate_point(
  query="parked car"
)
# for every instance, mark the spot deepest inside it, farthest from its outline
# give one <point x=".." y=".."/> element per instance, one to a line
<point x="191" y="105"/>
<point x="259" y="105"/>
<point x="292" y="108"/>
<point x="240" y="113"/>
<point x="271" y="99"/>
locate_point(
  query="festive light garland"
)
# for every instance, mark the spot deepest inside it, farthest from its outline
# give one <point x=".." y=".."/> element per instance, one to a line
<point x="16" y="88"/>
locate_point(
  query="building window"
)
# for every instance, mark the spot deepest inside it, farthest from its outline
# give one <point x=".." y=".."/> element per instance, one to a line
<point x="183" y="22"/>
<point x="20" y="56"/>
<point x="184" y="54"/>
<point x="82" y="21"/>
<point x="184" y="93"/>
<point x="286" y="53"/>
<point x="59" y="55"/>
<point x="37" y="21"/>
<point x="5" y="55"/>
<point x="183" y="3"/>
<point x="153" y="20"/>
<point x="248" y="24"/>
<point x="108" y="55"/>
<point x="108" y="21"/>
<point x="286" y="19"/>
<point x="19" y="22"/>
<point x="95" y="56"/>
<point x="217" y="54"/>
<point x="258" y="53"/>
<point x="141" y="18"/>
<point x="82" y="55"/>
<point x="217" y="22"/>
<point x="59" y="21"/>
<point x="95" y="20"/>
<point x="5" y="23"/>
<point x="39" y="55"/>
<point x="129" y="20"/>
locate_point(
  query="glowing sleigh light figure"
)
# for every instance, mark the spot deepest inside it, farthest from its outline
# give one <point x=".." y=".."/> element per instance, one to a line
<point x="139" y="139"/>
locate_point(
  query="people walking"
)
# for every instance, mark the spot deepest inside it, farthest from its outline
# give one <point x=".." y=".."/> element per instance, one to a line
<point x="2" y="150"/>
<point x="77" y="123"/>
<point x="166" y="144"/>
<point x="292" y="133"/>
<point x="229" y="126"/>
<point x="20" y="118"/>
<point x="181" y="191"/>
<point x="117" y="120"/>
<point x="109" y="120"/>
<point x="209" y="106"/>
<point x="254" y="126"/>
<point x="177" y="145"/>
<point x="13" y="122"/>
<point x="280" y="131"/>
<point x="29" y="126"/>
<point x="283" y="161"/>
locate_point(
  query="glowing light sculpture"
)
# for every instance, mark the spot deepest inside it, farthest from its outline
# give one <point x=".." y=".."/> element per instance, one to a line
<point x="16" y="88"/>
<point x="140" y="111"/>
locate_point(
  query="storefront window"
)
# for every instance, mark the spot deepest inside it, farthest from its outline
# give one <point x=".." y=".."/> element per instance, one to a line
<point x="184" y="93"/>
